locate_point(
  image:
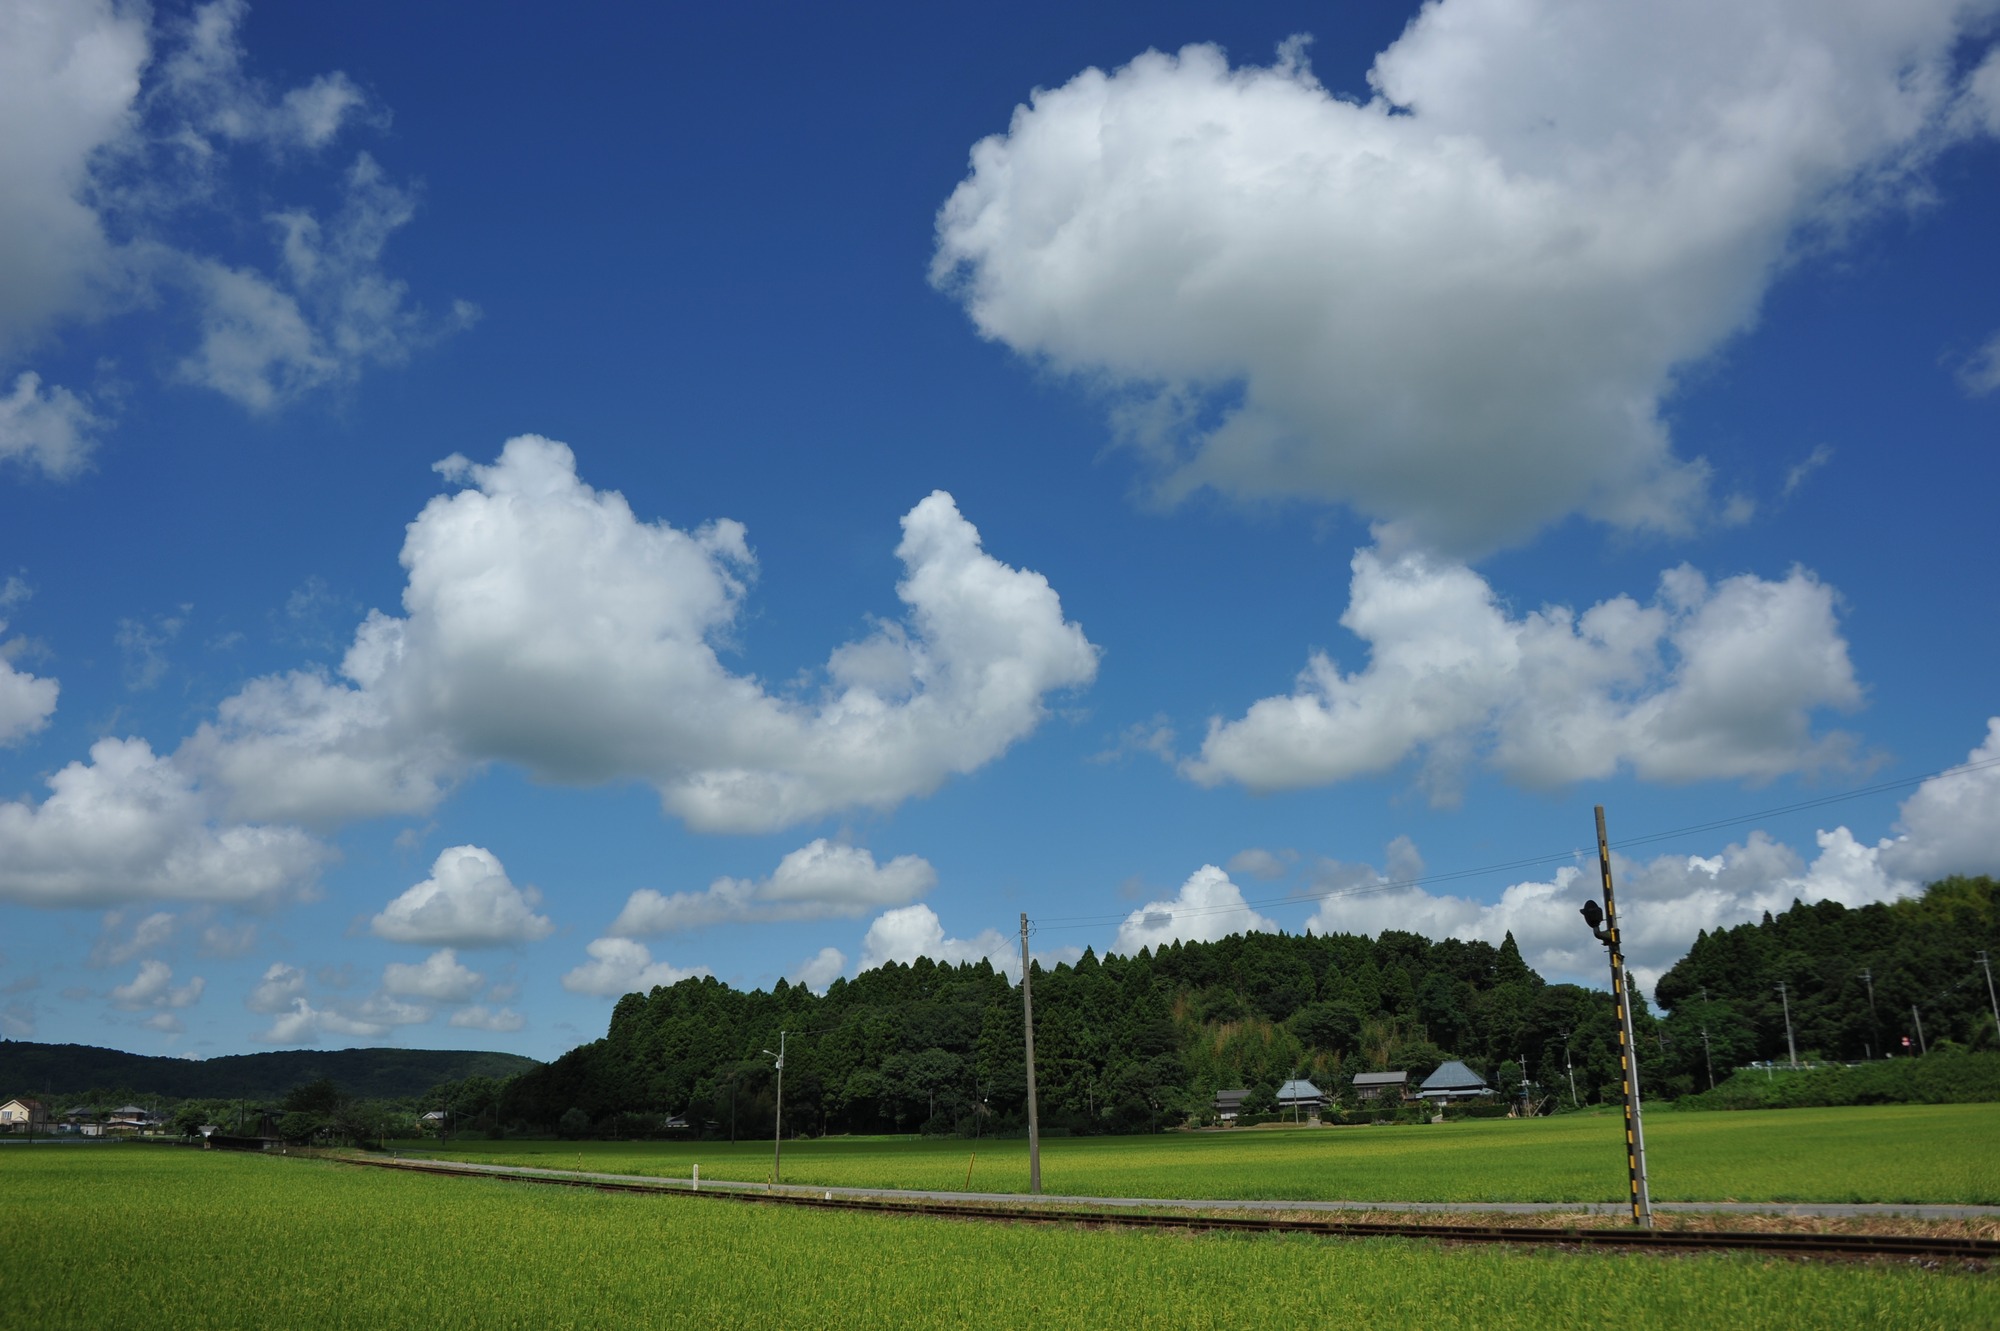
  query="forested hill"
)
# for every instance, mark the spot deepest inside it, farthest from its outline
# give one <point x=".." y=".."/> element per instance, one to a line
<point x="1921" y="952"/>
<point x="72" y="1070"/>
<point x="1120" y="1042"/>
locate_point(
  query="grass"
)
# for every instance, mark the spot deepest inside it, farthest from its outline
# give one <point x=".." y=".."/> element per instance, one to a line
<point x="1900" y="1153"/>
<point x="173" y="1238"/>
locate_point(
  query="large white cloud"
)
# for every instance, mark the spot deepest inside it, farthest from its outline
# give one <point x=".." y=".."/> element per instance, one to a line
<point x="1208" y="906"/>
<point x="281" y="986"/>
<point x="468" y="901"/>
<point x="114" y="131"/>
<point x="1458" y="306"/>
<point x="131" y="826"/>
<point x="1706" y="681"/>
<point x="1952" y="824"/>
<point x="547" y="625"/>
<point x="816" y="881"/>
<point x="304" y="1024"/>
<point x="622" y="966"/>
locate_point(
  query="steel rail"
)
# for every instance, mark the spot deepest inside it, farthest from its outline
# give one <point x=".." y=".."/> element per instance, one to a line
<point x="1915" y="1247"/>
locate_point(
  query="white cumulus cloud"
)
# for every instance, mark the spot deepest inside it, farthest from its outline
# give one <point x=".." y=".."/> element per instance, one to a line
<point x="816" y="881"/>
<point x="915" y="931"/>
<point x="153" y="987"/>
<point x="468" y="901"/>
<point x="131" y="826"/>
<point x="821" y="969"/>
<point x="1706" y="681"/>
<point x="1458" y="306"/>
<point x="304" y="1024"/>
<point x="281" y="986"/>
<point x="440" y="977"/>
<point x="1207" y="907"/>
<point x="26" y="701"/>
<point x="479" y="1017"/>
<point x="622" y="966"/>
<point x="547" y="625"/>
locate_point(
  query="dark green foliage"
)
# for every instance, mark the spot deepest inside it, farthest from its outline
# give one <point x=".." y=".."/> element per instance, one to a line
<point x="1122" y="1044"/>
<point x="1921" y="951"/>
<point x="72" y="1071"/>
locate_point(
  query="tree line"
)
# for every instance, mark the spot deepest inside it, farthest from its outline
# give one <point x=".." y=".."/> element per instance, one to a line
<point x="1126" y="1044"/>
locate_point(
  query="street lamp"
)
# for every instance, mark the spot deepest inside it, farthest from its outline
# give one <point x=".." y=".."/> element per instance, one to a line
<point x="778" y="1126"/>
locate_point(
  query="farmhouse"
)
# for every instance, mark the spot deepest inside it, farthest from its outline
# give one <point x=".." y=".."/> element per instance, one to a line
<point x="23" y="1115"/>
<point x="1228" y="1104"/>
<point x="1454" y="1081"/>
<point x="1374" y="1085"/>
<point x="1301" y="1095"/>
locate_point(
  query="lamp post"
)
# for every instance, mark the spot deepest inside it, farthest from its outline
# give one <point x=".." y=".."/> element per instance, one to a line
<point x="778" y="1125"/>
<point x="1603" y="924"/>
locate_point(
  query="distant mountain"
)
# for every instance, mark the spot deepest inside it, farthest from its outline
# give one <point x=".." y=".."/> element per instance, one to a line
<point x="58" y="1072"/>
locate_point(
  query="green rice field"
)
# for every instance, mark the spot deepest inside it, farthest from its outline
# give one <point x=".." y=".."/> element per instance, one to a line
<point x="168" y="1237"/>
<point x="1890" y="1153"/>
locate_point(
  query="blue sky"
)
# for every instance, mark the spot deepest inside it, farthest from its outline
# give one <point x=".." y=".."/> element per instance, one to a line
<point x="499" y="510"/>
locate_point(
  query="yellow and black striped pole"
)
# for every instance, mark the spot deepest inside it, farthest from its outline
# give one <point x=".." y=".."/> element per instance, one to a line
<point x="1628" y="1050"/>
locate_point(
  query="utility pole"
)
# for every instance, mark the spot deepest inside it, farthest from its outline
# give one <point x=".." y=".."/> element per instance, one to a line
<point x="1028" y="1027"/>
<point x="1708" y="1057"/>
<point x="1922" y="1048"/>
<point x="1790" y="1048"/>
<point x="1988" y="968"/>
<point x="1628" y="1053"/>
<point x="778" y="1123"/>
<point x="1874" y="1022"/>
<point x="1571" y="1070"/>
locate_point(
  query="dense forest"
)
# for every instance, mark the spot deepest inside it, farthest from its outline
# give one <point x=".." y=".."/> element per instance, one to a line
<point x="1124" y="1043"/>
<point x="1852" y="979"/>
<point x="84" y="1072"/>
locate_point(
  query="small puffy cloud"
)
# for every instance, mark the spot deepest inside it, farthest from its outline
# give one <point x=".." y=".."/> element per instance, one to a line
<point x="548" y="626"/>
<point x="915" y="931"/>
<point x="118" y="944"/>
<point x="816" y="881"/>
<point x="440" y="977"/>
<point x="821" y="969"/>
<point x="132" y="826"/>
<point x="26" y="701"/>
<point x="304" y="1024"/>
<point x="468" y="901"/>
<point x="1256" y="862"/>
<point x="1979" y="375"/>
<point x="281" y="986"/>
<point x="1459" y="306"/>
<point x="1208" y="906"/>
<point x="142" y="645"/>
<point x="228" y="940"/>
<point x="50" y="429"/>
<point x="164" y="1022"/>
<point x="479" y="1017"/>
<point x="620" y="966"/>
<point x="153" y="987"/>
<point x="385" y="1010"/>
<point x="1707" y="681"/>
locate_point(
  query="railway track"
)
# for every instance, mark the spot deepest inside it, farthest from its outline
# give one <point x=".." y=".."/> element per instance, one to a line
<point x="1906" y="1247"/>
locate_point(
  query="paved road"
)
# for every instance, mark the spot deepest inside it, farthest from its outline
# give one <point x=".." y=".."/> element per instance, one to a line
<point x="1824" y="1210"/>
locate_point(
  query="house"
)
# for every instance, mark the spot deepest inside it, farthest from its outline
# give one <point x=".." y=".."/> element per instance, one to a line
<point x="1454" y="1081"/>
<point x="130" y="1118"/>
<point x="1301" y="1096"/>
<point x="24" y="1115"/>
<point x="1228" y="1104"/>
<point x="1374" y="1085"/>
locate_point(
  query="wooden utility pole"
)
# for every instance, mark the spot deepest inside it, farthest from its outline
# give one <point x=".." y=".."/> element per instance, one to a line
<point x="1628" y="1051"/>
<point x="1028" y="1028"/>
